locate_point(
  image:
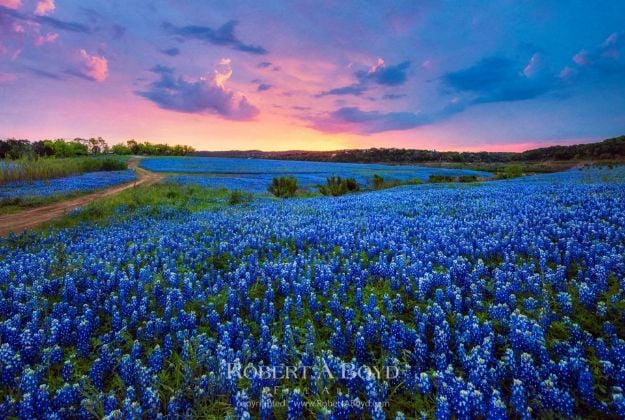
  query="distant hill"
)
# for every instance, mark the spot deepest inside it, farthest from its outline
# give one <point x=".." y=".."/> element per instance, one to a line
<point x="610" y="149"/>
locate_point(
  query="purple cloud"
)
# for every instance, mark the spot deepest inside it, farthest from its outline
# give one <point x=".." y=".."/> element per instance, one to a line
<point x="382" y="74"/>
<point x="352" y="119"/>
<point x="379" y="74"/>
<point x="222" y="36"/>
<point x="498" y="79"/>
<point x="172" y="52"/>
<point x="203" y="95"/>
<point x="356" y="90"/>
<point x="606" y="59"/>
<point x="392" y="96"/>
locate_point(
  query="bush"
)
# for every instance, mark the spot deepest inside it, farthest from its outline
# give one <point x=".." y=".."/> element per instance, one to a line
<point x="338" y="186"/>
<point x="240" y="197"/>
<point x="352" y="185"/>
<point x="513" y="171"/>
<point x="283" y="187"/>
<point x="378" y="182"/>
<point x="440" y="178"/>
<point x="335" y="186"/>
<point x="120" y="149"/>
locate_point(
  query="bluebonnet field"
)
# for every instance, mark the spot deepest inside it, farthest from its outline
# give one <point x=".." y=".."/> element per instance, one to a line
<point x="504" y="298"/>
<point x="85" y="182"/>
<point x="256" y="174"/>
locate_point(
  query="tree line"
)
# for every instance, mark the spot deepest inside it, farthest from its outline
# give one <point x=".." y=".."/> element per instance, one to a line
<point x="62" y="148"/>
<point x="610" y="149"/>
<point x="133" y="147"/>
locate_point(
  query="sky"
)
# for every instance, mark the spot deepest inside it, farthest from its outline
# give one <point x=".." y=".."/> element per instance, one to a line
<point x="505" y="75"/>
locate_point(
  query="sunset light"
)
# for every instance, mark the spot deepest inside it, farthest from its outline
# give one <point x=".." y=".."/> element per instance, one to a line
<point x="313" y="75"/>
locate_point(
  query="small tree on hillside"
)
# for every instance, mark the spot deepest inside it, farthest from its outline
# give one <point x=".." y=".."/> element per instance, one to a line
<point x="283" y="187"/>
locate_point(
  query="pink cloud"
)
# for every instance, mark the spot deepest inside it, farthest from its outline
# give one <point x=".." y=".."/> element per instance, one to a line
<point x="95" y="67"/>
<point x="11" y="4"/>
<point x="45" y="39"/>
<point x="377" y="66"/>
<point x="7" y="77"/>
<point x="581" y="59"/>
<point x="533" y="65"/>
<point x="568" y="73"/>
<point x="44" y="7"/>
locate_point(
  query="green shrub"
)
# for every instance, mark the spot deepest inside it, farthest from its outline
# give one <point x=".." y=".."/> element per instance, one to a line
<point x="440" y="178"/>
<point x="283" y="187"/>
<point x="352" y="185"/>
<point x="335" y="186"/>
<point x="240" y="197"/>
<point x="378" y="182"/>
<point x="511" y="171"/>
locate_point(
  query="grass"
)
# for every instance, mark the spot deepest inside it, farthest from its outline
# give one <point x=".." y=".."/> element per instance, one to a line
<point x="48" y="168"/>
<point x="526" y="168"/>
<point x="154" y="198"/>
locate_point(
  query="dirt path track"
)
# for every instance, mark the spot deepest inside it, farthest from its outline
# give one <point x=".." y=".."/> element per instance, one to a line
<point x="25" y="219"/>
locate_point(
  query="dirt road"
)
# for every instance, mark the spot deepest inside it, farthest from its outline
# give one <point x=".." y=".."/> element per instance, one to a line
<point x="25" y="219"/>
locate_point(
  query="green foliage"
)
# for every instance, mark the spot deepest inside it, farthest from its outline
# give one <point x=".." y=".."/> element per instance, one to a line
<point x="240" y="197"/>
<point x="440" y="178"/>
<point x="48" y="168"/>
<point x="379" y="183"/>
<point x="447" y="178"/>
<point x="23" y="149"/>
<point x="467" y="178"/>
<point x="283" y="187"/>
<point x="120" y="149"/>
<point x="511" y="171"/>
<point x="338" y="186"/>
<point x="352" y="185"/>
<point x="15" y="149"/>
<point x="61" y="148"/>
<point x="152" y="199"/>
<point x="146" y="148"/>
